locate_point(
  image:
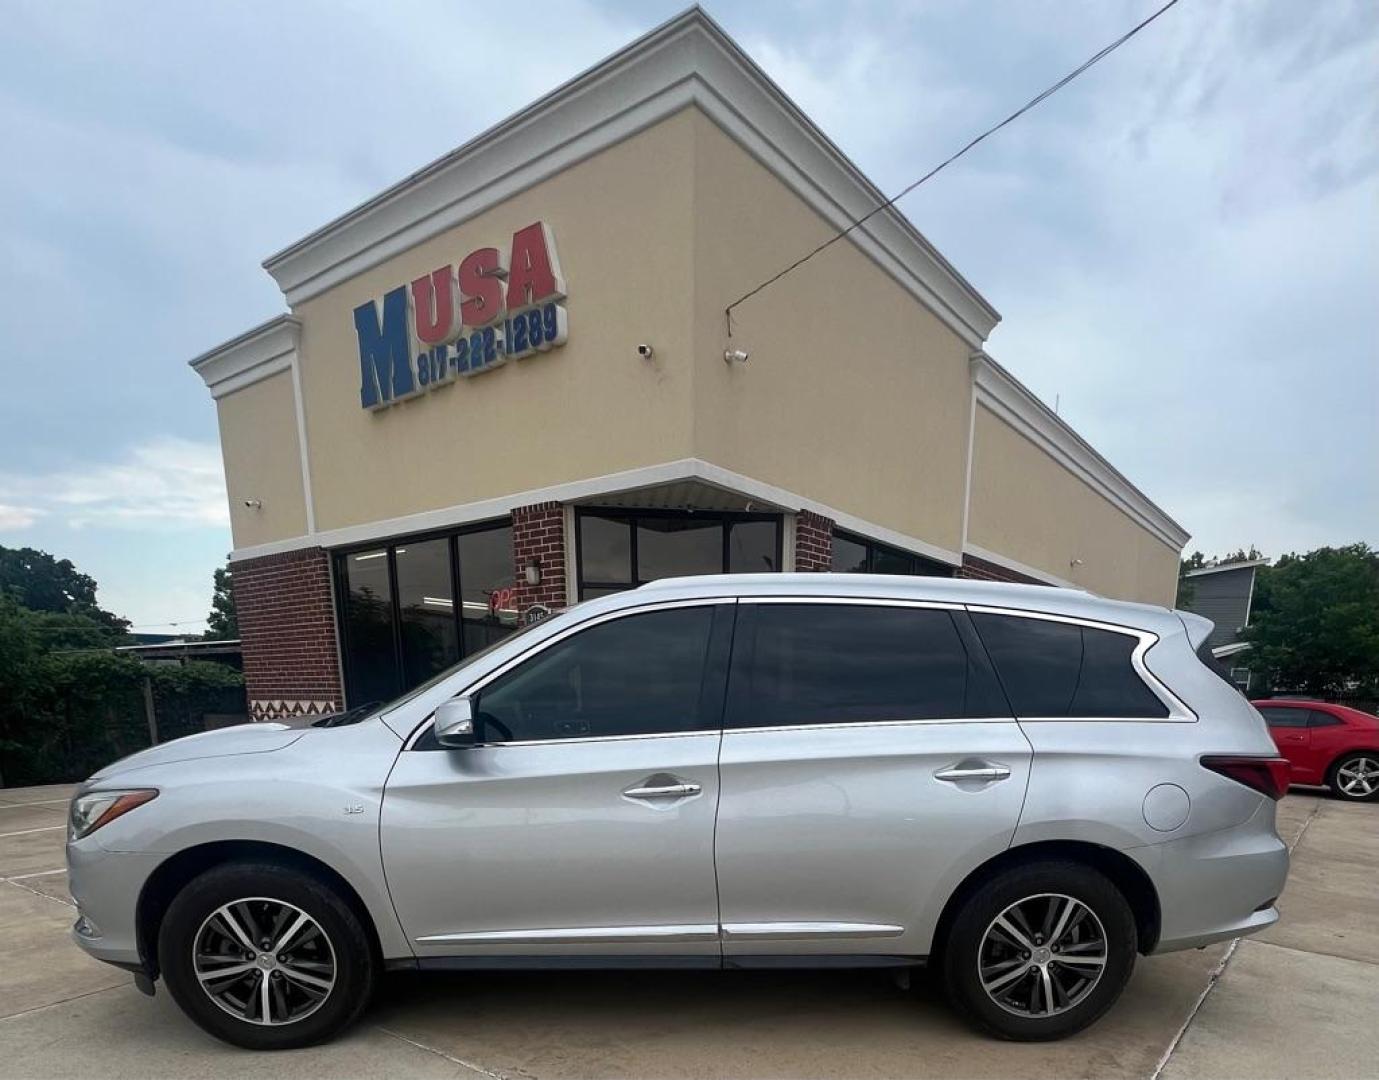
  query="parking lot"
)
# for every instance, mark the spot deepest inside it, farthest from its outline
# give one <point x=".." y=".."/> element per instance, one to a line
<point x="1298" y="1001"/>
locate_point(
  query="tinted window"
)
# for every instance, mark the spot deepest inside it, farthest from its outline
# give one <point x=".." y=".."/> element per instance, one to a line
<point x="837" y="663"/>
<point x="752" y="547"/>
<point x="1284" y="717"/>
<point x="426" y="604"/>
<point x="623" y="549"/>
<point x="368" y="619"/>
<point x="1058" y="669"/>
<point x="1322" y="719"/>
<point x="637" y="675"/>
<point x="858" y="555"/>
<point x="485" y="569"/>
<point x="671" y="547"/>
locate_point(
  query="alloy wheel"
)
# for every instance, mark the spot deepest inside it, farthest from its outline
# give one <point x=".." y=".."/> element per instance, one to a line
<point x="264" y="961"/>
<point x="1359" y="777"/>
<point x="1042" y="955"/>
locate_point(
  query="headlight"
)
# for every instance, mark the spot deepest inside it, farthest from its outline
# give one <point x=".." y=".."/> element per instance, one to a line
<point x="94" y="809"/>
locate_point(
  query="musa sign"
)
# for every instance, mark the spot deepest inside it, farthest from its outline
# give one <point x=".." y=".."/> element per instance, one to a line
<point x="462" y="319"/>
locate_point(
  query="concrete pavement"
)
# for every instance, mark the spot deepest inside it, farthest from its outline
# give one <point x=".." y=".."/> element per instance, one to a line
<point x="1297" y="1002"/>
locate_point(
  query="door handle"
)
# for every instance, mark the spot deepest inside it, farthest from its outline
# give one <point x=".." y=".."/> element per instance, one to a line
<point x="663" y="785"/>
<point x="663" y="791"/>
<point x="973" y="772"/>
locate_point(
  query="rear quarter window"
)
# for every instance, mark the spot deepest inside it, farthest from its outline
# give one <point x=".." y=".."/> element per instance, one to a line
<point x="1055" y="669"/>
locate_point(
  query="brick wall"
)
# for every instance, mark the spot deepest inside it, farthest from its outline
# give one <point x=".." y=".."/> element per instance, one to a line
<point x="287" y="631"/>
<point x="538" y="531"/>
<point x="813" y="542"/>
<point x="981" y="570"/>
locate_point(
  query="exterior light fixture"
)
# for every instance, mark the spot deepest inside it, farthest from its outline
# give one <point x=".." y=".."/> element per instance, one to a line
<point x="532" y="571"/>
<point x="1074" y="563"/>
<point x="735" y="356"/>
<point x="254" y="504"/>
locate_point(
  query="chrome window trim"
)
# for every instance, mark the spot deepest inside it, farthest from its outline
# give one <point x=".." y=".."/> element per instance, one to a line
<point x="1178" y="710"/>
<point x="851" y="601"/>
<point x="546" y="643"/>
<point x="853" y="725"/>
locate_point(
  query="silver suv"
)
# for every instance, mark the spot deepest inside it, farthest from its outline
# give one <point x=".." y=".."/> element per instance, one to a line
<point x="1023" y="787"/>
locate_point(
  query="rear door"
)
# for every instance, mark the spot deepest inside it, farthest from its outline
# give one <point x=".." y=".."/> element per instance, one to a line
<point x="869" y="762"/>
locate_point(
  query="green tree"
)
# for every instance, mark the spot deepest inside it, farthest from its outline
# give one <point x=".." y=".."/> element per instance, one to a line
<point x="39" y="582"/>
<point x="222" y="624"/>
<point x="1314" y="626"/>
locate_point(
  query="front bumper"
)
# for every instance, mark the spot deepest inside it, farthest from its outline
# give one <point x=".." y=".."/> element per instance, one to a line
<point x="1217" y="885"/>
<point x="105" y="886"/>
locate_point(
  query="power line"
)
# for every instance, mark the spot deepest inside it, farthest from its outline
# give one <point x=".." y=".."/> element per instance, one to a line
<point x="1098" y="57"/>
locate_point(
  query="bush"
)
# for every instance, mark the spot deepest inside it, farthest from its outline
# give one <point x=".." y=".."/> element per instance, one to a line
<point x="66" y="712"/>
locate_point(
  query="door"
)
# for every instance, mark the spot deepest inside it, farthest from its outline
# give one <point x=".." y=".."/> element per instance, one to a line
<point x="583" y="823"/>
<point x="1288" y="726"/>
<point x="1327" y="738"/>
<point x="869" y="763"/>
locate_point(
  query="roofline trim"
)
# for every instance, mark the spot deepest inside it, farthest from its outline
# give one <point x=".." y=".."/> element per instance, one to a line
<point x="687" y="61"/>
<point x="645" y="476"/>
<point x="1011" y="401"/>
<point x="1222" y="567"/>
<point x="250" y="357"/>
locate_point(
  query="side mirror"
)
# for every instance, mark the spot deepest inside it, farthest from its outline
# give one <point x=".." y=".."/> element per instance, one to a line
<point x="454" y="722"/>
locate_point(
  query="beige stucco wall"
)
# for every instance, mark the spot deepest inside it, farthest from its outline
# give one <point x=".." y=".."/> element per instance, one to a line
<point x="621" y="221"/>
<point x="1028" y="507"/>
<point x="258" y="441"/>
<point x="855" y="395"/>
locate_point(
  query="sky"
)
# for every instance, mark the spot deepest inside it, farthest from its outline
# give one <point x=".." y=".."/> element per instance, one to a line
<point x="1183" y="244"/>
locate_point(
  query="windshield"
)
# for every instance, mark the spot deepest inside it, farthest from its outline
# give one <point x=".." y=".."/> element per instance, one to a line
<point x="374" y="708"/>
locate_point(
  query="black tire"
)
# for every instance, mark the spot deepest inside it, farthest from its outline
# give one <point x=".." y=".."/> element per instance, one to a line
<point x="347" y="947"/>
<point x="1349" y="761"/>
<point x="1037" y="887"/>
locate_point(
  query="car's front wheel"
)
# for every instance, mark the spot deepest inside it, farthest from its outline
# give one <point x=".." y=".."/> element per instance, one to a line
<point x="1356" y="777"/>
<point x="265" y="957"/>
<point x="1040" y="951"/>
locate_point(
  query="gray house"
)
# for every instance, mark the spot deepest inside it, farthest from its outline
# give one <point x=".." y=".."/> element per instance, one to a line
<point x="1224" y="594"/>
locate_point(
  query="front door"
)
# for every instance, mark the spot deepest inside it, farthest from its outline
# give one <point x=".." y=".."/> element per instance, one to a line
<point x="583" y="825"/>
<point x="869" y="763"/>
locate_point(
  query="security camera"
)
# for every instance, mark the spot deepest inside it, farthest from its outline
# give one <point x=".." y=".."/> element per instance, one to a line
<point x="735" y="356"/>
<point x="254" y="504"/>
<point x="645" y="351"/>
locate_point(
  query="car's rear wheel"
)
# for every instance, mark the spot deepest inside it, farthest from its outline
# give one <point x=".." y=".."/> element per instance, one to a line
<point x="1040" y="951"/>
<point x="265" y="957"/>
<point x="1356" y="777"/>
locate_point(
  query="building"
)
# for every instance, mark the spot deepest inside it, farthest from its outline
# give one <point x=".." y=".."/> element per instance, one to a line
<point x="1224" y="593"/>
<point x="508" y="382"/>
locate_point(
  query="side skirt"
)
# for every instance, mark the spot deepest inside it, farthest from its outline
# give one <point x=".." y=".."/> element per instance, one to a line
<point x="650" y="963"/>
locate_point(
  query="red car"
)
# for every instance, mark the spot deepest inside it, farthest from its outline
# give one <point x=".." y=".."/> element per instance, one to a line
<point x="1327" y="744"/>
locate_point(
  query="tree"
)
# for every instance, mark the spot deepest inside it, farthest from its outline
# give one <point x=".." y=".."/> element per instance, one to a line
<point x="38" y="582"/>
<point x="1314" y="627"/>
<point x="222" y="624"/>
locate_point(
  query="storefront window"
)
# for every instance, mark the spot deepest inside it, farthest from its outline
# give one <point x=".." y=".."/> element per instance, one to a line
<point x="412" y="609"/>
<point x="673" y="546"/>
<point x="426" y="604"/>
<point x="368" y="626"/>
<point x="485" y="567"/>
<point x="623" y="549"/>
<point x="857" y="555"/>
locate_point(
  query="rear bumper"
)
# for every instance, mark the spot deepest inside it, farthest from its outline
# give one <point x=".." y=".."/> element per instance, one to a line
<point x="1218" y="885"/>
<point x="105" y="886"/>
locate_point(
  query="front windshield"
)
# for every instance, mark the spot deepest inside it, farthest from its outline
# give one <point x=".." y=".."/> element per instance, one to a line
<point x="374" y="708"/>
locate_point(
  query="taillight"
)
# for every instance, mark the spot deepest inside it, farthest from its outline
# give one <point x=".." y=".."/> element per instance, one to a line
<point x="1266" y="775"/>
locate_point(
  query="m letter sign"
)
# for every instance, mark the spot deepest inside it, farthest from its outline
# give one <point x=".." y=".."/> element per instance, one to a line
<point x="462" y="319"/>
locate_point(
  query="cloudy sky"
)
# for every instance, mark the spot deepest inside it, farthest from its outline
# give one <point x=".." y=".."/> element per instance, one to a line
<point x="1184" y="244"/>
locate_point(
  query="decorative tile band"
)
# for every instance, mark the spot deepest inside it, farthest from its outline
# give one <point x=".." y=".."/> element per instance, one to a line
<point x="287" y="710"/>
